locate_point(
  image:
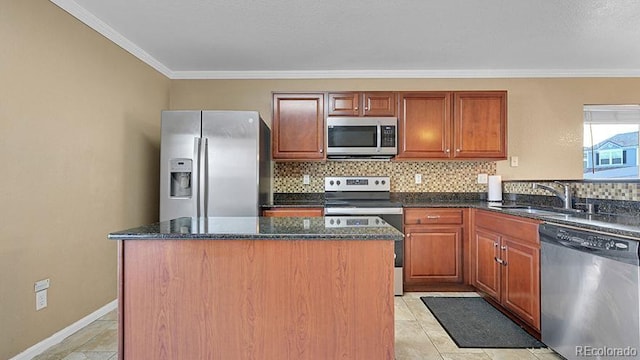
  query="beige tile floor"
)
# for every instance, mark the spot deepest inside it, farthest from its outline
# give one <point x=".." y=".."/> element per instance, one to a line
<point x="419" y="336"/>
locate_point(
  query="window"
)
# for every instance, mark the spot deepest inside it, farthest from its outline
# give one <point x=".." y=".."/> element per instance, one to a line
<point x="611" y="141"/>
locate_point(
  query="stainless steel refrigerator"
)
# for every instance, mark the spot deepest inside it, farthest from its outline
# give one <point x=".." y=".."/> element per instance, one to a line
<point x="214" y="163"/>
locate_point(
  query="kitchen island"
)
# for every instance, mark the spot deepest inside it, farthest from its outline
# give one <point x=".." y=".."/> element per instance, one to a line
<point x="256" y="288"/>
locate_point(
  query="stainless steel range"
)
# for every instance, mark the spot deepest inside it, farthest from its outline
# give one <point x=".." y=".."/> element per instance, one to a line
<point x="360" y="201"/>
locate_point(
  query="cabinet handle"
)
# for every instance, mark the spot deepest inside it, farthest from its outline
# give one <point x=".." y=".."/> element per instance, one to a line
<point x="495" y="244"/>
<point x="447" y="151"/>
<point x="356" y="108"/>
<point x="321" y="151"/>
<point x="500" y="261"/>
<point x="457" y="150"/>
<point x="503" y="247"/>
<point x="433" y="217"/>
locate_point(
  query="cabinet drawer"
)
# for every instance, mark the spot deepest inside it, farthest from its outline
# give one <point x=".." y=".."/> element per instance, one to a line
<point x="286" y="212"/>
<point x="428" y="216"/>
<point x="508" y="225"/>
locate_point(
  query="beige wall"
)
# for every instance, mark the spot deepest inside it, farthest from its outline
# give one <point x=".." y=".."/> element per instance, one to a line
<point x="79" y="148"/>
<point x="545" y="115"/>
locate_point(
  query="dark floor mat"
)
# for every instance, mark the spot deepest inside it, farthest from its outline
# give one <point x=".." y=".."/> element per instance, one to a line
<point x="473" y="323"/>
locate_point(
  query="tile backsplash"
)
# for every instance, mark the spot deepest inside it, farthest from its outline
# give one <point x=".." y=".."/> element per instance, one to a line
<point x="629" y="191"/>
<point x="437" y="176"/>
<point x="443" y="176"/>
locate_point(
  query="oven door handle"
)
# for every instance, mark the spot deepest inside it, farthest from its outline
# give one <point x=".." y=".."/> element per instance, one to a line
<point x="362" y="211"/>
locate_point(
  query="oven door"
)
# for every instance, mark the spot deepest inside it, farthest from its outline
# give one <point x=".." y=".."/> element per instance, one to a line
<point x="352" y="216"/>
<point x="361" y="136"/>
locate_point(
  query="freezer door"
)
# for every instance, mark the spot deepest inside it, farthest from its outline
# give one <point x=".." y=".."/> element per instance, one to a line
<point x="231" y="140"/>
<point x="179" y="174"/>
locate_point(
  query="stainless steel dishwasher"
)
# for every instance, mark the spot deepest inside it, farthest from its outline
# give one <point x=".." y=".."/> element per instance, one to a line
<point x="590" y="299"/>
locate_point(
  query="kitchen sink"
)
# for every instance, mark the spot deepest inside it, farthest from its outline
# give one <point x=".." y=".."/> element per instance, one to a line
<point x="536" y="211"/>
<point x="539" y="211"/>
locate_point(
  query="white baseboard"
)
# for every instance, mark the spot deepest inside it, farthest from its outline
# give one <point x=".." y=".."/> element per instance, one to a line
<point x="56" y="338"/>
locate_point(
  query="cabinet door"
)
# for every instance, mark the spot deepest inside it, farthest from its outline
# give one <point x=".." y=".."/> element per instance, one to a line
<point x="520" y="280"/>
<point x="379" y="103"/>
<point x="486" y="268"/>
<point x="298" y="126"/>
<point x="433" y="254"/>
<point x="480" y="125"/>
<point x="424" y="125"/>
<point x="344" y="104"/>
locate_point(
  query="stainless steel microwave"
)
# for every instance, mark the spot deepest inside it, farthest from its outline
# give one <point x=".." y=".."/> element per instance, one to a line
<point x="361" y="137"/>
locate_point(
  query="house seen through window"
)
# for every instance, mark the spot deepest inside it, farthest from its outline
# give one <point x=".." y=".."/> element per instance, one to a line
<point x="611" y="141"/>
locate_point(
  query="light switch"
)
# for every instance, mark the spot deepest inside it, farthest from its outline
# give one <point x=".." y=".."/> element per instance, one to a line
<point x="306" y="180"/>
<point x="514" y="161"/>
<point x="483" y="178"/>
<point x="418" y="178"/>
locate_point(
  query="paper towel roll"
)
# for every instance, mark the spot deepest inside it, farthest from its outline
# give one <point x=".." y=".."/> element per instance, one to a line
<point x="494" y="192"/>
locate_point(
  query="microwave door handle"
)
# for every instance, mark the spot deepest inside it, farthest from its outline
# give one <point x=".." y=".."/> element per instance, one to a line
<point x="378" y="140"/>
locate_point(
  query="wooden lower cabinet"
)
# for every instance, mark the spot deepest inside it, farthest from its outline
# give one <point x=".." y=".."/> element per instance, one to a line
<point x="506" y="263"/>
<point x="487" y="269"/>
<point x="434" y="248"/>
<point x="301" y="212"/>
<point x="433" y="254"/>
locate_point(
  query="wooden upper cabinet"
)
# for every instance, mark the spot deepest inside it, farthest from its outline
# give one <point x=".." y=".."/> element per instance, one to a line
<point x="374" y="103"/>
<point x="298" y="126"/>
<point x="344" y="104"/>
<point x="480" y="125"/>
<point x="424" y="125"/>
<point x="453" y="125"/>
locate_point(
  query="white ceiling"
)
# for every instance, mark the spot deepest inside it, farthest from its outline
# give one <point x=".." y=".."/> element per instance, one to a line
<point x="372" y="38"/>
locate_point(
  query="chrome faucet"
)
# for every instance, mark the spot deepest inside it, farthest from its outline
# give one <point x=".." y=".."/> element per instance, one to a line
<point x="564" y="195"/>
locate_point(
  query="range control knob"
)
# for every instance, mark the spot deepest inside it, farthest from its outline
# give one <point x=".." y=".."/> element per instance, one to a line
<point x="377" y="182"/>
<point x="383" y="182"/>
<point x="338" y="182"/>
<point x="331" y="182"/>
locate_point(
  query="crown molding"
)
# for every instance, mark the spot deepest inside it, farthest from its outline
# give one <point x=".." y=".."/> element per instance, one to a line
<point x="403" y="74"/>
<point x="107" y="31"/>
<point x="101" y="27"/>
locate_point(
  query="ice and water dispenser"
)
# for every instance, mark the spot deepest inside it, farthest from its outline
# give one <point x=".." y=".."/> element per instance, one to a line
<point x="181" y="174"/>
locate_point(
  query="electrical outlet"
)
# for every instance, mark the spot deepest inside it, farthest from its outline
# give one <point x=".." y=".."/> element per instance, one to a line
<point x="41" y="299"/>
<point x="418" y="178"/>
<point x="483" y="178"/>
<point x="514" y="161"/>
<point x="306" y="179"/>
<point x="42" y="284"/>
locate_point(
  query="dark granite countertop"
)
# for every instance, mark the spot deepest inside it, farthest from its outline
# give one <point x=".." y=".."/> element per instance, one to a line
<point x="609" y="223"/>
<point x="255" y="228"/>
<point x="619" y="224"/>
<point x="613" y="224"/>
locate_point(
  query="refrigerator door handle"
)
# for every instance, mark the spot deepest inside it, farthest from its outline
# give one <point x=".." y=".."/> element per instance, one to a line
<point x="205" y="178"/>
<point x="196" y="174"/>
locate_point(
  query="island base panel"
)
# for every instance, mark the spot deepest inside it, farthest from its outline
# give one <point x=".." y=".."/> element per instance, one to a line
<point x="247" y="299"/>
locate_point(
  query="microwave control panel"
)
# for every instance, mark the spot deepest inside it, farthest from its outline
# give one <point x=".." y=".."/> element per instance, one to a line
<point x="388" y="136"/>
